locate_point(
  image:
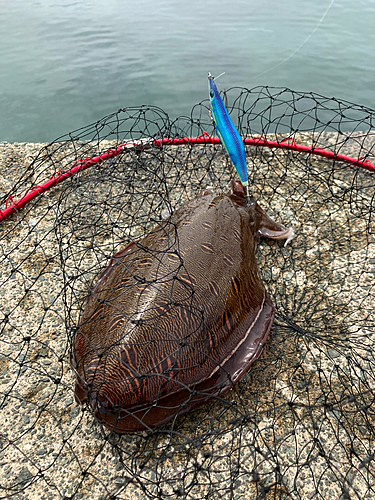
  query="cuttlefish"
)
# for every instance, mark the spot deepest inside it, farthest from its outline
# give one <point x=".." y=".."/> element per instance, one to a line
<point x="177" y="318"/>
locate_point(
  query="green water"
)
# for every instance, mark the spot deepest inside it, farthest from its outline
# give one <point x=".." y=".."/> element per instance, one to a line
<point x="66" y="64"/>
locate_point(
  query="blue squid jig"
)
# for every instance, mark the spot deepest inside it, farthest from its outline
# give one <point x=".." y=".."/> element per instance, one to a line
<point x="227" y="132"/>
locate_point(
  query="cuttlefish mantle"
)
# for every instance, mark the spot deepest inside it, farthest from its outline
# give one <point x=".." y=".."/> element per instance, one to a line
<point x="179" y="317"/>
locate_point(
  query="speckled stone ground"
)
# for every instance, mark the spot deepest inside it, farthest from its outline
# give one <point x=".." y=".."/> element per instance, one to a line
<point x="299" y="425"/>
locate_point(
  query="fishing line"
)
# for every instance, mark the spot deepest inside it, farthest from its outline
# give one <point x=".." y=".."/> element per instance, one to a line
<point x="300" y="47"/>
<point x="221" y="74"/>
<point x="290" y="56"/>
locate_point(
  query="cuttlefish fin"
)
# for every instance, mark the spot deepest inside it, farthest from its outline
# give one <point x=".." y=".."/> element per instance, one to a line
<point x="268" y="228"/>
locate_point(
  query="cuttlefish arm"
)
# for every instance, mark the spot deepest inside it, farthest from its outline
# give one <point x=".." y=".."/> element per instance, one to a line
<point x="273" y="230"/>
<point x="266" y="226"/>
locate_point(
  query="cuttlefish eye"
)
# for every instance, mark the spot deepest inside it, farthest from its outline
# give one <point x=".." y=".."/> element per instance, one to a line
<point x="212" y="93"/>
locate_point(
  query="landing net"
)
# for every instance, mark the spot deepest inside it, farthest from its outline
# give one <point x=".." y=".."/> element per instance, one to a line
<point x="301" y="423"/>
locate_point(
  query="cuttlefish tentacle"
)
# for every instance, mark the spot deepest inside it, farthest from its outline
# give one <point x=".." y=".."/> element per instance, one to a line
<point x="271" y="229"/>
<point x="177" y="318"/>
<point x="268" y="228"/>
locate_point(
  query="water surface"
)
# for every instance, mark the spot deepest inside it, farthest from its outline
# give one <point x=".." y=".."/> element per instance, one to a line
<point x="65" y="64"/>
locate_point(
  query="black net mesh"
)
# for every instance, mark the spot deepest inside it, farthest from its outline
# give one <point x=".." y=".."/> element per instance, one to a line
<point x="300" y="424"/>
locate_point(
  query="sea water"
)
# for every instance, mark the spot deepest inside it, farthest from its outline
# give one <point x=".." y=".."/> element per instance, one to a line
<point x="66" y="63"/>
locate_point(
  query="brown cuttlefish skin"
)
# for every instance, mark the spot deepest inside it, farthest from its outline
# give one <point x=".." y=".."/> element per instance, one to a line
<point x="177" y="318"/>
